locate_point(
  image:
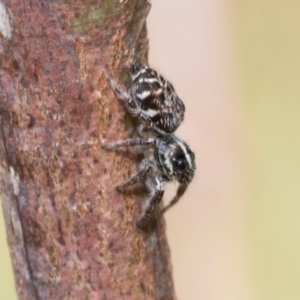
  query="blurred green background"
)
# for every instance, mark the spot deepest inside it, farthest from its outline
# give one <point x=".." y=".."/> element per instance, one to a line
<point x="236" y="64"/>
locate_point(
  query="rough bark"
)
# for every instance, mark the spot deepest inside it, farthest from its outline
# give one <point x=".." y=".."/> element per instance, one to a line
<point x="71" y="236"/>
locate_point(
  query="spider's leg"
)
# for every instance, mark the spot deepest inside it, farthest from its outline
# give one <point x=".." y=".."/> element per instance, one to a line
<point x="120" y="93"/>
<point x="145" y="125"/>
<point x="129" y="142"/>
<point x="130" y="103"/>
<point x="125" y="97"/>
<point x="157" y="191"/>
<point x="180" y="191"/>
<point x="140" y="176"/>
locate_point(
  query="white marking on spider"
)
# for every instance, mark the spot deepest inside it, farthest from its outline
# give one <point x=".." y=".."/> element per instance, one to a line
<point x="158" y="92"/>
<point x="150" y="112"/>
<point x="134" y="76"/>
<point x="169" y="165"/>
<point x="150" y="80"/>
<point x="143" y="95"/>
<point x="188" y="157"/>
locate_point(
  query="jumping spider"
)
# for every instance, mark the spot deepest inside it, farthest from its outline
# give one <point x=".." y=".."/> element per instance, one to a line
<point x="171" y="159"/>
<point x="152" y="99"/>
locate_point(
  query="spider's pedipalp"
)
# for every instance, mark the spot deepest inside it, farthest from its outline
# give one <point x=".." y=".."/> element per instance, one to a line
<point x="180" y="191"/>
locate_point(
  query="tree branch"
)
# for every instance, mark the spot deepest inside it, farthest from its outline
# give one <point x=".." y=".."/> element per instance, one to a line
<point x="71" y="235"/>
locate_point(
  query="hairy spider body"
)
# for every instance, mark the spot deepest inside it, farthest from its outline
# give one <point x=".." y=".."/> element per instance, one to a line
<point x="152" y="99"/>
<point x="171" y="160"/>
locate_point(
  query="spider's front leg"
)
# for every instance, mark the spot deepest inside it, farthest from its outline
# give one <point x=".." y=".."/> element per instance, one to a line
<point x="129" y="142"/>
<point x="180" y="191"/>
<point x="147" y="167"/>
<point x="125" y="97"/>
<point x="140" y="176"/>
<point x="131" y="105"/>
<point x="120" y="93"/>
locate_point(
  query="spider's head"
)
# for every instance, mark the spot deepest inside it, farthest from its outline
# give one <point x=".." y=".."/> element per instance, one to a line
<point x="175" y="158"/>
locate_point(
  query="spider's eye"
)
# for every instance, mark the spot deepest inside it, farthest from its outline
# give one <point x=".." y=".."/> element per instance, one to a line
<point x="179" y="162"/>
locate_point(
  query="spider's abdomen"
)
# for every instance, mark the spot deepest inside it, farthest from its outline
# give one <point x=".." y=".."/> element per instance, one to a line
<point x="157" y="99"/>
